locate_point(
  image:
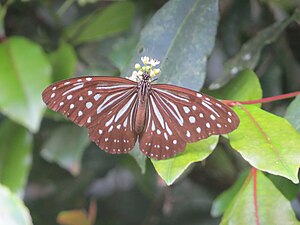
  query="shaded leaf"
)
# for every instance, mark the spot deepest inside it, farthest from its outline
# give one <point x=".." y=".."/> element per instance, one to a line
<point x="24" y="73"/>
<point x="293" y="113"/>
<point x="274" y="147"/>
<point x="181" y="35"/>
<point x="65" y="146"/>
<point x="250" y="52"/>
<point x="222" y="202"/>
<point x="170" y="169"/>
<point x="13" y="210"/>
<point x="63" y="62"/>
<point x="243" y="87"/>
<point x="139" y="157"/>
<point x="273" y="207"/>
<point x="101" y="24"/>
<point x="15" y="155"/>
<point x="285" y="186"/>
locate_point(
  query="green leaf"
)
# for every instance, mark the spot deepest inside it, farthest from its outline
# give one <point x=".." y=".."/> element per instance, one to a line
<point x="101" y="24"/>
<point x="122" y="52"/>
<point x="222" y="202"/>
<point x="249" y="54"/>
<point x="24" y="73"/>
<point x="273" y="207"/>
<point x="65" y="146"/>
<point x="13" y="210"/>
<point x="181" y="35"/>
<point x="243" y="87"/>
<point x="63" y="62"/>
<point x="15" y="155"/>
<point x="293" y="113"/>
<point x="272" y="147"/>
<point x="170" y="169"/>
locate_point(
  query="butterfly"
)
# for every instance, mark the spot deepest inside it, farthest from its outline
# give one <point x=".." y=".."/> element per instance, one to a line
<point x="119" y="111"/>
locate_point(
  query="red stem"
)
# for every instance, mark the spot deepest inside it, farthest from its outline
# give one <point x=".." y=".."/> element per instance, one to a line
<point x="263" y="100"/>
<point x="254" y="173"/>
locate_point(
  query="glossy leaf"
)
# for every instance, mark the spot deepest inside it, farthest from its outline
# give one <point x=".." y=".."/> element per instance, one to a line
<point x="250" y="52"/>
<point x="13" y="210"/>
<point x="65" y="146"/>
<point x="24" y="73"/>
<point x="293" y="113"/>
<point x="243" y="87"/>
<point x="170" y="169"/>
<point x="181" y="35"/>
<point x="15" y="155"/>
<point x="112" y="20"/>
<point x="63" y="62"/>
<point x="273" y="207"/>
<point x="272" y="147"/>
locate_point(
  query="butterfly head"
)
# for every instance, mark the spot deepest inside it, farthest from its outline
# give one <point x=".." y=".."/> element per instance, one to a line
<point x="147" y="71"/>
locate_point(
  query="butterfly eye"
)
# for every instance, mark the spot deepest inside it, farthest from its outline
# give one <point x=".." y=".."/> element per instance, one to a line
<point x="117" y="112"/>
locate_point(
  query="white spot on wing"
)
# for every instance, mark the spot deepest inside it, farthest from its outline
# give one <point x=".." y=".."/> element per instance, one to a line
<point x="208" y="125"/>
<point x="192" y="119"/>
<point x="89" y="105"/>
<point x="186" y="109"/>
<point x="88" y="78"/>
<point x="97" y="96"/>
<point x="72" y="106"/>
<point x="52" y="96"/>
<point x="188" y="134"/>
<point x="199" y="95"/>
<point x="89" y="120"/>
<point x="80" y="113"/>
<point x="90" y="92"/>
<point x="198" y="130"/>
<point x="69" y="97"/>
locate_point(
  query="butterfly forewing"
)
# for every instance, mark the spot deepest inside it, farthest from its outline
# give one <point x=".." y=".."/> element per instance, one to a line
<point x="178" y="116"/>
<point x="92" y="102"/>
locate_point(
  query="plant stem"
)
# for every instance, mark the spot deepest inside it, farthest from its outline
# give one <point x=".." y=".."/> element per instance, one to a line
<point x="263" y="100"/>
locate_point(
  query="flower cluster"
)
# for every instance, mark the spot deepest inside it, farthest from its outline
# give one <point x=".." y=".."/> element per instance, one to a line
<point x="148" y="68"/>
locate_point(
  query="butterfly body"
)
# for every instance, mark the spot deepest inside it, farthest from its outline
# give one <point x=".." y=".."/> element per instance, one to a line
<point x="118" y="112"/>
<point x="144" y="87"/>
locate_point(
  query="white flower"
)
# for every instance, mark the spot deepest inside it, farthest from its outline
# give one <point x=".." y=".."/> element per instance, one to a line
<point x="154" y="62"/>
<point x="145" y="60"/>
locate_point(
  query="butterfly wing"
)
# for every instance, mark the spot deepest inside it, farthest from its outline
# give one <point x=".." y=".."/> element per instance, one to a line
<point x="177" y="116"/>
<point x="92" y="102"/>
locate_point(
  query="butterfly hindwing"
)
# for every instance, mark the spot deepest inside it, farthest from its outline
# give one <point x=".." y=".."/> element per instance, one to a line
<point x="189" y="115"/>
